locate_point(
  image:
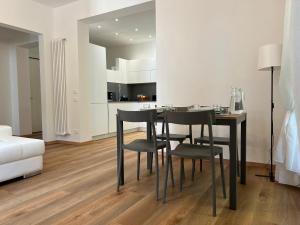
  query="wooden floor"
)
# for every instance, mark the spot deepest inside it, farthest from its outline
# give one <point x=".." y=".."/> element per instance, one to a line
<point x="78" y="186"/>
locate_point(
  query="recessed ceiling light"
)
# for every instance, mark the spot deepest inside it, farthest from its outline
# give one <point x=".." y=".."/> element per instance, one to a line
<point x="99" y="26"/>
<point x="136" y="29"/>
<point x="130" y="39"/>
<point x="117" y="33"/>
<point x="116" y="19"/>
<point x="150" y="36"/>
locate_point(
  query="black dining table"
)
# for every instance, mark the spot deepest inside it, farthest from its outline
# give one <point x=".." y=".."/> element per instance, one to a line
<point x="233" y="121"/>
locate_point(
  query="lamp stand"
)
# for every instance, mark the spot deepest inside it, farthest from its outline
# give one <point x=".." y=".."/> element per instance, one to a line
<point x="271" y="175"/>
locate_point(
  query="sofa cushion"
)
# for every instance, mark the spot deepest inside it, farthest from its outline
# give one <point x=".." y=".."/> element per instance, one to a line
<point x="5" y="131"/>
<point x="9" y="152"/>
<point x="18" y="148"/>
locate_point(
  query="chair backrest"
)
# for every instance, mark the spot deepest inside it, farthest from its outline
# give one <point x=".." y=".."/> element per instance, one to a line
<point x="191" y="118"/>
<point x="137" y="116"/>
<point x="147" y="116"/>
<point x="179" y="109"/>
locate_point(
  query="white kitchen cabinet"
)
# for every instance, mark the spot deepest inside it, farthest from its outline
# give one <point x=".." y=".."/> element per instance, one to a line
<point x="121" y="65"/>
<point x="120" y="74"/>
<point x="141" y="64"/>
<point x="96" y="73"/>
<point x="153" y="77"/>
<point x="113" y="76"/>
<point x="133" y="71"/>
<point x="135" y="77"/>
<point x="99" y="118"/>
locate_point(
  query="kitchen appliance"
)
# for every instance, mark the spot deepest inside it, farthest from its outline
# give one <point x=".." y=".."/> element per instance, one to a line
<point x="111" y="96"/>
<point x="123" y="98"/>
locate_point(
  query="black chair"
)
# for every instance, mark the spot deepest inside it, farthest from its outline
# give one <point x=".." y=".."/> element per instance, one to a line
<point x="193" y="151"/>
<point x="217" y="140"/>
<point x="174" y="137"/>
<point x="140" y="145"/>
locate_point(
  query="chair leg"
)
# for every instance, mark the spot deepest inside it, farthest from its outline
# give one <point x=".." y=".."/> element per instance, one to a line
<point x="119" y="170"/>
<point x="213" y="175"/>
<point x="151" y="162"/>
<point x="181" y="173"/>
<point x="183" y="170"/>
<point x="222" y="175"/>
<point x="157" y="175"/>
<point x="238" y="162"/>
<point x="162" y="156"/>
<point x="183" y="177"/>
<point x="138" y="165"/>
<point x="166" y="178"/>
<point x="201" y="167"/>
<point x="193" y="169"/>
<point x="171" y="168"/>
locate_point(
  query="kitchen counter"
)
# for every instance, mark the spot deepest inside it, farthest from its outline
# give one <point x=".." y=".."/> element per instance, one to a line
<point x="109" y="102"/>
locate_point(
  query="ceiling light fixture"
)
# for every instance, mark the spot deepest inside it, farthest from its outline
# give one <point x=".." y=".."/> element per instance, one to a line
<point x="117" y="20"/>
<point x="136" y="29"/>
<point x="150" y="36"/>
<point x="130" y="39"/>
<point x="99" y="26"/>
<point x="116" y="33"/>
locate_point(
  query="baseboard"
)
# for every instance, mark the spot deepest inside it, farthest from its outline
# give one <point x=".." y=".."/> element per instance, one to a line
<point x="50" y="142"/>
<point x="255" y="164"/>
<point x="94" y="138"/>
<point x="110" y="135"/>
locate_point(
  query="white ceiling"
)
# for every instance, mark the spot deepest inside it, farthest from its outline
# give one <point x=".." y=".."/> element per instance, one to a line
<point x="126" y="29"/>
<point x="55" y="3"/>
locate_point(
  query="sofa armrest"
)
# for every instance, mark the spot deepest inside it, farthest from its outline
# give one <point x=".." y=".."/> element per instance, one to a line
<point x="5" y="131"/>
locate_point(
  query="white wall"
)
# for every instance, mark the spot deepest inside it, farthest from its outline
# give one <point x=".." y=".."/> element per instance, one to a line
<point x="5" y="97"/>
<point x="135" y="51"/>
<point x="205" y="47"/>
<point x="31" y="16"/>
<point x="35" y="90"/>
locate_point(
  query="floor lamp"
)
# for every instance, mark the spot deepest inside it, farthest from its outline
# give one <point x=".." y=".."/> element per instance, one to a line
<point x="269" y="59"/>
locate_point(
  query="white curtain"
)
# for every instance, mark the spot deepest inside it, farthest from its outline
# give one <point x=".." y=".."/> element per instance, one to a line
<point x="60" y="87"/>
<point x="287" y="154"/>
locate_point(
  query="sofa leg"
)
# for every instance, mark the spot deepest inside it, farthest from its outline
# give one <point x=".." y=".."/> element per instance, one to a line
<point x="32" y="174"/>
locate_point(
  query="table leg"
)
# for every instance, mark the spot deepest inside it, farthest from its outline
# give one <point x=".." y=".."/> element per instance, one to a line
<point x="243" y="151"/>
<point x="233" y="163"/>
<point x="149" y="155"/>
<point x="118" y="152"/>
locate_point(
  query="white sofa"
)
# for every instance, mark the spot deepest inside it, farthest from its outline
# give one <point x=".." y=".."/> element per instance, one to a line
<point x="19" y="157"/>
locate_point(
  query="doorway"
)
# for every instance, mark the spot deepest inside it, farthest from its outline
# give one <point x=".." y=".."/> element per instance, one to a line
<point x="20" y="97"/>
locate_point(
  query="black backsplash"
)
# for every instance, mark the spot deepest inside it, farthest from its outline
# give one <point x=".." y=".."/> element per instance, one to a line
<point x="132" y="90"/>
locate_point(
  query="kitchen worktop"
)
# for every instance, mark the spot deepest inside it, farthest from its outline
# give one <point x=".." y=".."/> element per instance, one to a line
<point x="131" y="102"/>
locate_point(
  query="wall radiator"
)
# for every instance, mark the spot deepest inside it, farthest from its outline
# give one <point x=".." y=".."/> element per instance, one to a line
<point x="61" y="120"/>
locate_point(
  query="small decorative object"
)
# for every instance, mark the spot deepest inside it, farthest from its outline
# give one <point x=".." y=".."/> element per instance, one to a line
<point x="237" y="101"/>
<point x="224" y="110"/>
<point x="217" y="109"/>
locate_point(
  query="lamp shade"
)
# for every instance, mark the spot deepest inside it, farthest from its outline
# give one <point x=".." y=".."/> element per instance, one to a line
<point x="269" y="56"/>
